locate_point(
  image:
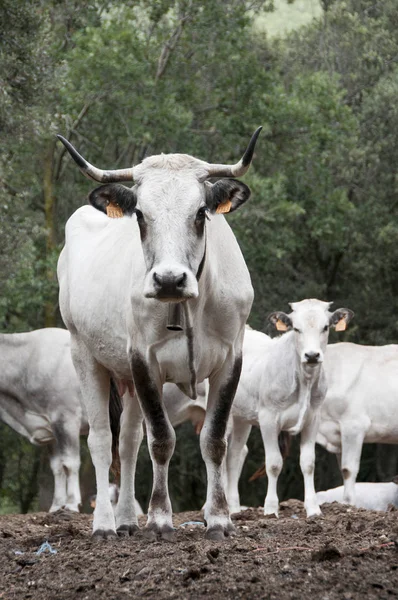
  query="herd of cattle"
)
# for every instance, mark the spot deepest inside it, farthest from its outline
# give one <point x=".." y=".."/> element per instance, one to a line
<point x="155" y="294"/>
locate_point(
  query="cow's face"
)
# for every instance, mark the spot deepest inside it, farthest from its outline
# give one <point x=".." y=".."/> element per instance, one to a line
<point x="310" y="321"/>
<point x="171" y="201"/>
<point x="172" y="208"/>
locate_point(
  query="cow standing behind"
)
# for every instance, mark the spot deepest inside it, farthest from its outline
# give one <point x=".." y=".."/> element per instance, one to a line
<point x="282" y="388"/>
<point x="118" y="278"/>
<point x="40" y="399"/>
<point x="360" y="406"/>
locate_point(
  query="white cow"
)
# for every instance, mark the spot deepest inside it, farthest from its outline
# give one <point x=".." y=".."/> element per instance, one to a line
<point x="121" y="280"/>
<point x="40" y="399"/>
<point x="360" y="406"/>
<point x="372" y="496"/>
<point x="282" y="387"/>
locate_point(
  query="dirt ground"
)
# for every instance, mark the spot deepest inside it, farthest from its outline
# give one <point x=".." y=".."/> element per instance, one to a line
<point x="345" y="554"/>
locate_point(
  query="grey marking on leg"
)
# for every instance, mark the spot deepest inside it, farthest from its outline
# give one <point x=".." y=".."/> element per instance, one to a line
<point x="153" y="409"/>
<point x="216" y="443"/>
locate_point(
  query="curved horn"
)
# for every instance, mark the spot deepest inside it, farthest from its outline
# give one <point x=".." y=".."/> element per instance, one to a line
<point x="93" y="172"/>
<point x="241" y="167"/>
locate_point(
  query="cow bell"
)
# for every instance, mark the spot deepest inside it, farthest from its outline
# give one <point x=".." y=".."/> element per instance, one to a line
<point x="175" y="317"/>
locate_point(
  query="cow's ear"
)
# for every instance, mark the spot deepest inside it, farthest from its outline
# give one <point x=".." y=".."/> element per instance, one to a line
<point x="281" y="320"/>
<point x="114" y="199"/>
<point x="226" y="195"/>
<point x="340" y="318"/>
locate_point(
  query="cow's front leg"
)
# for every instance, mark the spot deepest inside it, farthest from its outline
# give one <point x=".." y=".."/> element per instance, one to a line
<point x="307" y="463"/>
<point x="213" y="446"/>
<point x="130" y="440"/>
<point x="161" y="442"/>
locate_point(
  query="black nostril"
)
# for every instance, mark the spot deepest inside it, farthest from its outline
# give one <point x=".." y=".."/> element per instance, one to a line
<point x="180" y="281"/>
<point x="312" y="356"/>
<point x="157" y="279"/>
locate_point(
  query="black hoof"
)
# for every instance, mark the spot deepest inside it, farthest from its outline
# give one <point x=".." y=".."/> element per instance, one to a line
<point x="127" y="530"/>
<point x="217" y="533"/>
<point x="153" y="532"/>
<point x="104" y="534"/>
<point x="167" y="534"/>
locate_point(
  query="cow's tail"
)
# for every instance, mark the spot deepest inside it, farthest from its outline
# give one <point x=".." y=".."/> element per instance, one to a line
<point x="284" y="440"/>
<point x="115" y="413"/>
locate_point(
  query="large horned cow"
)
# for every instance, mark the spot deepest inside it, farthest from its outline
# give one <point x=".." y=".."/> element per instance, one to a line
<point x="160" y="294"/>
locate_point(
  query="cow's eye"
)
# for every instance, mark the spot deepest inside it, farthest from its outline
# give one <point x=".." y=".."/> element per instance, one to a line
<point x="139" y="215"/>
<point x="326" y="328"/>
<point x="296" y="330"/>
<point x="202" y="213"/>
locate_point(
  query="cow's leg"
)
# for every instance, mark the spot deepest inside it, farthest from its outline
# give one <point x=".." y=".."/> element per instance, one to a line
<point x="67" y="440"/>
<point x="161" y="442"/>
<point x="307" y="464"/>
<point x="57" y="468"/>
<point x="236" y="455"/>
<point x="352" y="437"/>
<point x="273" y="459"/>
<point x="130" y="440"/>
<point x="213" y="444"/>
<point x="94" y="382"/>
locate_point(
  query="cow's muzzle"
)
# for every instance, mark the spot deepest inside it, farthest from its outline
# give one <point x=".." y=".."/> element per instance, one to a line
<point x="169" y="286"/>
<point x="312" y="358"/>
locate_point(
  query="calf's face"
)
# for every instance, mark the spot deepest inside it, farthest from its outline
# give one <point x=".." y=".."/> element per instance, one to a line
<point x="310" y="321"/>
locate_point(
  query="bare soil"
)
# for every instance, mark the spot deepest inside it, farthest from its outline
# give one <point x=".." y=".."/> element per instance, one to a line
<point x="345" y="554"/>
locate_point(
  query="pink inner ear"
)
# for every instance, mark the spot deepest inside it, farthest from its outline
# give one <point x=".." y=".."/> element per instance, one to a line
<point x="280" y="325"/>
<point x="341" y="325"/>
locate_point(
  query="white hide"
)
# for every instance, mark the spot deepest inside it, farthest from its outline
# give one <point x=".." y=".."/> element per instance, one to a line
<point x="281" y="390"/>
<point x="40" y="399"/>
<point x="360" y="405"/>
<point x="372" y="496"/>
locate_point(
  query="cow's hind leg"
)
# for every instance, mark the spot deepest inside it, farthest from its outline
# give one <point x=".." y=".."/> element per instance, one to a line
<point x="57" y="468"/>
<point x="161" y="442"/>
<point x="213" y="445"/>
<point x="66" y="432"/>
<point x="352" y="436"/>
<point x="130" y="440"/>
<point x="236" y="455"/>
<point x="94" y="382"/>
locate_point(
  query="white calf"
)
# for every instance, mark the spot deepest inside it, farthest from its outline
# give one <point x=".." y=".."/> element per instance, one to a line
<point x="372" y="496"/>
<point x="282" y="387"/>
<point x="360" y="405"/>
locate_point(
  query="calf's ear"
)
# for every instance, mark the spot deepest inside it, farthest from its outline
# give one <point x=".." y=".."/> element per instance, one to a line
<point x="340" y="318"/>
<point x="113" y="199"/>
<point x="281" y="320"/>
<point x="226" y="195"/>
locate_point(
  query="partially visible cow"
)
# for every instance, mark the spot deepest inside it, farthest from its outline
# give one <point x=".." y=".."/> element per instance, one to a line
<point x="361" y="405"/>
<point x="282" y="388"/>
<point x="40" y="399"/>
<point x="121" y="281"/>
<point x="372" y="496"/>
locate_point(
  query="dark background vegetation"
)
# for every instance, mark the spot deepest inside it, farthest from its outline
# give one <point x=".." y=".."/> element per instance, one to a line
<point x="126" y="80"/>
